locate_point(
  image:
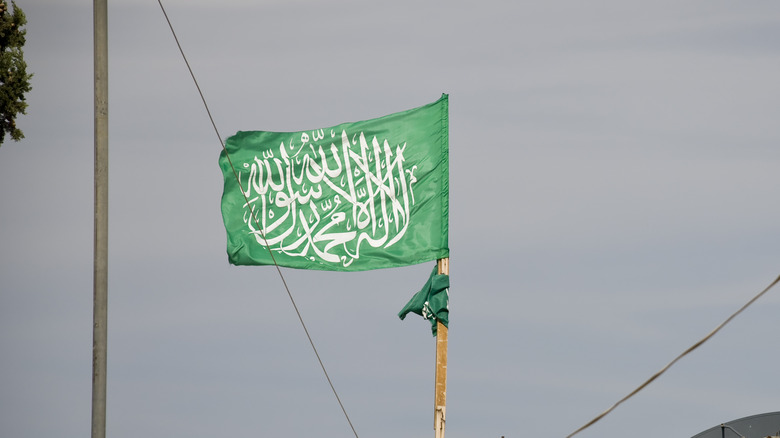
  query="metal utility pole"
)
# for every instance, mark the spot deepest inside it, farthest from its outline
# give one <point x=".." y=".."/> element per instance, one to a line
<point x="100" y="260"/>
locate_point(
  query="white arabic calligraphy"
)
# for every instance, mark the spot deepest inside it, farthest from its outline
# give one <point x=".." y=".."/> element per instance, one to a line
<point x="325" y="202"/>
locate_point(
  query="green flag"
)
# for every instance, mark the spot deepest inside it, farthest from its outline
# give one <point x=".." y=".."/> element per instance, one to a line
<point x="352" y="197"/>
<point x="432" y="301"/>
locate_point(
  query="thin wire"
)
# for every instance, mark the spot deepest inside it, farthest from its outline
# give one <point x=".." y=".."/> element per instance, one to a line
<point x="257" y="222"/>
<point x="663" y="370"/>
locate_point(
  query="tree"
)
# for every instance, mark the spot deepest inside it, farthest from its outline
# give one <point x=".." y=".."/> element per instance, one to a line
<point x="14" y="79"/>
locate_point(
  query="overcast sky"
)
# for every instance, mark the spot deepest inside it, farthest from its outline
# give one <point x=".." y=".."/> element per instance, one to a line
<point x="614" y="196"/>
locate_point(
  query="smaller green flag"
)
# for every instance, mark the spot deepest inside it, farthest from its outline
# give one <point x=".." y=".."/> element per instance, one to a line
<point x="432" y="301"/>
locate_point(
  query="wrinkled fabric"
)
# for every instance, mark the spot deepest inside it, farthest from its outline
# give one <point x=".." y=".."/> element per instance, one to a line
<point x="432" y="301"/>
<point x="356" y="196"/>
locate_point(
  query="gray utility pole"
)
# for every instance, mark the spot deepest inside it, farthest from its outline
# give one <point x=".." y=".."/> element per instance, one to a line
<point x="100" y="261"/>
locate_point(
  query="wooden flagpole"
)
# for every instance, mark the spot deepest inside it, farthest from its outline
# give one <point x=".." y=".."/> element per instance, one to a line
<point x="440" y="401"/>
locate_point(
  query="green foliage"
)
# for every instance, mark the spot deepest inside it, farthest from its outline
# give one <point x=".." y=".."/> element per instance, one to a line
<point x="14" y="79"/>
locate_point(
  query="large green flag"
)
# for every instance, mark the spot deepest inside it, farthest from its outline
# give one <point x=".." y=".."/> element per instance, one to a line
<point x="352" y="197"/>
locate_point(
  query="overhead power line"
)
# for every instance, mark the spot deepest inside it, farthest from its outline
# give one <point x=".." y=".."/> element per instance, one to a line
<point x="683" y="354"/>
<point x="257" y="222"/>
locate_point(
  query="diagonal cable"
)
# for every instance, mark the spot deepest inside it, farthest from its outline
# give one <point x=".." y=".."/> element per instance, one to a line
<point x="257" y="222"/>
<point x="684" y="353"/>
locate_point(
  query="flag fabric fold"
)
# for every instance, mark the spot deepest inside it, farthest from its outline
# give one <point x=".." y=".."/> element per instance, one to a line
<point x="351" y="197"/>
<point x="432" y="301"/>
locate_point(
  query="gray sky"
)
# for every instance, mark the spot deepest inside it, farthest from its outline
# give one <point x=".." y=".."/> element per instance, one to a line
<point x="613" y="198"/>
